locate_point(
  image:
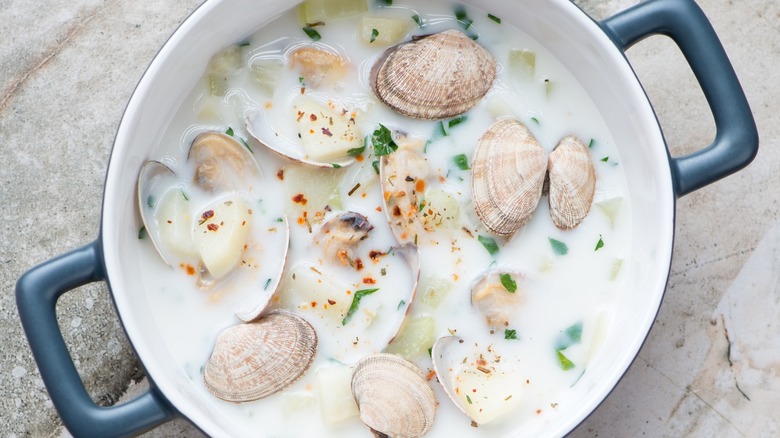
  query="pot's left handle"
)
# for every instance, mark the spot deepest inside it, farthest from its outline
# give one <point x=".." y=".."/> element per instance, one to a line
<point x="37" y="292"/>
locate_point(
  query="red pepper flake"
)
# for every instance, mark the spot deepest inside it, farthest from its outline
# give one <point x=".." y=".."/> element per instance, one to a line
<point x="331" y="302"/>
<point x="379" y="209"/>
<point x="431" y="375"/>
<point x="313" y="117"/>
<point x="212" y="227"/>
<point x="300" y="113"/>
<point x="358" y="264"/>
<point x="396" y="211"/>
<point x="369" y="280"/>
<point x="327" y="132"/>
<point x="420" y="186"/>
<point x="300" y="199"/>
<point x="208" y="214"/>
<point x="374" y="255"/>
<point x="538" y="411"/>
<point x="170" y="221"/>
<point x="188" y="268"/>
<point x="314" y="304"/>
<point x="280" y="174"/>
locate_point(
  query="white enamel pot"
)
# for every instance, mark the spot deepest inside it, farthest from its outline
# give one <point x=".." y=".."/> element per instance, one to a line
<point x="594" y="50"/>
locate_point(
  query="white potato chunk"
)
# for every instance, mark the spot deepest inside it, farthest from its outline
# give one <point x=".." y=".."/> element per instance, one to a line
<point x="433" y="290"/>
<point x="310" y="289"/>
<point x="522" y="64"/>
<point x="265" y="73"/>
<point x="439" y="210"/>
<point x="314" y="11"/>
<point x="221" y="233"/>
<point x="334" y="384"/>
<point x="417" y="336"/>
<point x="487" y="396"/>
<point x="174" y="221"/>
<point x="222" y="67"/>
<point x="611" y="208"/>
<point x="327" y="132"/>
<point x="384" y="30"/>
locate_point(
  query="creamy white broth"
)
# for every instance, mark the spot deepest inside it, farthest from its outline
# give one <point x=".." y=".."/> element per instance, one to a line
<point x="558" y="291"/>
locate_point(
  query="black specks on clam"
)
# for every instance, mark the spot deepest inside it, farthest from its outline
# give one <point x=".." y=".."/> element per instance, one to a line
<point x="253" y="361"/>
<point x="507" y="175"/>
<point x="572" y="183"/>
<point x="434" y="77"/>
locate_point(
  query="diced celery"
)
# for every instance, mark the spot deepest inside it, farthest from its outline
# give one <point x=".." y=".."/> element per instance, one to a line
<point x="265" y="74"/>
<point x="315" y="11"/>
<point x="522" y="64"/>
<point x="416" y="337"/>
<point x="433" y="290"/>
<point x="611" y="208"/>
<point x="221" y="67"/>
<point x="616" y="269"/>
<point x="388" y="30"/>
<point x="499" y="107"/>
<point x="334" y="385"/>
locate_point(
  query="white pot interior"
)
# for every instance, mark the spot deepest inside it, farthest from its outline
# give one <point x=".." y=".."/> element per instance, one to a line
<point x="565" y="30"/>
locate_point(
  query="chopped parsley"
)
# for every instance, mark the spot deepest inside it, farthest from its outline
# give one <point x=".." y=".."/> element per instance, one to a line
<point x="142" y="233"/>
<point x="384" y="2"/>
<point x="591" y="143"/>
<point x="184" y="195"/>
<point x="229" y="131"/>
<point x="489" y="243"/>
<point x="422" y="204"/>
<point x="494" y="18"/>
<point x="354" y="152"/>
<point x="417" y="20"/>
<point x="558" y="247"/>
<point x="599" y="244"/>
<point x="150" y="201"/>
<point x="374" y="34"/>
<point x="605" y="159"/>
<point x="456" y="121"/>
<point x="535" y="120"/>
<point x="468" y="399"/>
<point x="246" y="145"/>
<point x="375" y="165"/>
<point x="462" y="161"/>
<point x="572" y="335"/>
<point x="382" y="140"/>
<point x="279" y="219"/>
<point x="510" y="334"/>
<point x="267" y="283"/>
<point x="400" y="304"/>
<point x="564" y="361"/>
<point x="336" y="165"/>
<point x="508" y="282"/>
<point x="463" y="17"/>
<point x="312" y="33"/>
<point x="356" y="302"/>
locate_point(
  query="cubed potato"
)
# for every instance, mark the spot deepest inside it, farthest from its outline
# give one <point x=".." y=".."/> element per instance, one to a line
<point x="384" y="30"/>
<point x="440" y="210"/>
<point x="314" y="11"/>
<point x="314" y="290"/>
<point x="433" y="290"/>
<point x="221" y="233"/>
<point x="327" y="132"/>
<point x="611" y="208"/>
<point x="522" y="64"/>
<point x="265" y="73"/>
<point x="319" y="189"/>
<point x="221" y="67"/>
<point x="417" y="336"/>
<point x="174" y="221"/>
<point x="487" y="396"/>
<point x="334" y="385"/>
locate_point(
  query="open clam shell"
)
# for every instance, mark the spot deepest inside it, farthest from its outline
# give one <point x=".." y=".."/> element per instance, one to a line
<point x="393" y="396"/>
<point x="400" y="174"/>
<point x="340" y="235"/>
<point x="507" y="176"/>
<point x="497" y="294"/>
<point x="435" y="76"/>
<point x="572" y="183"/>
<point x="253" y="361"/>
<point x="221" y="163"/>
<point x="263" y="299"/>
<point x="155" y="179"/>
<point x="412" y="255"/>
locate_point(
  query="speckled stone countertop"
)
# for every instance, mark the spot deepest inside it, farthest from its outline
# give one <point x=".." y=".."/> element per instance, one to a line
<point x="711" y="363"/>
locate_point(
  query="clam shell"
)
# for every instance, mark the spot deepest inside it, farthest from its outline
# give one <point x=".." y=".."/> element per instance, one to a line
<point x="393" y="396"/>
<point x="399" y="174"/>
<point x="221" y="163"/>
<point x="154" y="179"/>
<point x="253" y="361"/>
<point x="434" y="77"/>
<point x="507" y="175"/>
<point x="572" y="183"/>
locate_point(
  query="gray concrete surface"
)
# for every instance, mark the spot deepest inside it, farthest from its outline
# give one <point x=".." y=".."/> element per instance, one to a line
<point x="710" y="365"/>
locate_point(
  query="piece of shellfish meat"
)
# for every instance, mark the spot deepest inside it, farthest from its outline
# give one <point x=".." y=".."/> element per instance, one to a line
<point x="401" y="173"/>
<point x="261" y="130"/>
<point x="393" y="396"/>
<point x="482" y="388"/>
<point x="436" y="76"/>
<point x="221" y="234"/>
<point x="263" y="300"/>
<point x="507" y="174"/>
<point x="157" y="189"/>
<point x="572" y="182"/>
<point x="221" y="163"/>
<point x="318" y="66"/>
<point x="252" y="361"/>
<point x="340" y="235"/>
<point x="491" y="297"/>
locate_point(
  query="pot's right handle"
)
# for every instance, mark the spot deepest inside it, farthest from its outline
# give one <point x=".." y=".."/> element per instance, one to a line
<point x="36" y="298"/>
<point x="736" y="139"/>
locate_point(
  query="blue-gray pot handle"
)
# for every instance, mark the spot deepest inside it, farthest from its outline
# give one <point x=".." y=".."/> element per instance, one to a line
<point x="736" y="139"/>
<point x="37" y="292"/>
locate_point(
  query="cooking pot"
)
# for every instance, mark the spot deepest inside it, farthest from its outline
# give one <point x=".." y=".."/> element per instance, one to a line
<point x="594" y="50"/>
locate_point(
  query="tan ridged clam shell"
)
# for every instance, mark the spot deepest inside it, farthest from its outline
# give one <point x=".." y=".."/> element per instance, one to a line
<point x="434" y="77"/>
<point x="255" y="360"/>
<point x="507" y="175"/>
<point x="221" y="162"/>
<point x="572" y="183"/>
<point x="393" y="396"/>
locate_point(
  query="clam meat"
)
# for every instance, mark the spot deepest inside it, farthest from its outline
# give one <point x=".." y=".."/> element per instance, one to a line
<point x="507" y="175"/>
<point x="498" y="294"/>
<point x="340" y="235"/>
<point x="221" y="163"/>
<point x="393" y="396"/>
<point x="255" y="360"/>
<point x="434" y="76"/>
<point x="572" y="183"/>
<point x="402" y="176"/>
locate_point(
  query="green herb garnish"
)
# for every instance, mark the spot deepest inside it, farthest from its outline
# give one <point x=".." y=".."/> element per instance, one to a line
<point x="461" y="161"/>
<point x="494" y="18"/>
<point x="463" y="17"/>
<point x="489" y="243"/>
<point x="382" y="140"/>
<point x="374" y="34"/>
<point x="336" y="165"/>
<point x="535" y="120"/>
<point x="150" y="201"/>
<point x="456" y="121"/>
<point x="558" y="247"/>
<point x="229" y="131"/>
<point x="354" y="152"/>
<point x="572" y="335"/>
<point x="605" y="159"/>
<point x="279" y="219"/>
<point x="417" y="20"/>
<point x="508" y="282"/>
<point x="142" y="233"/>
<point x="267" y="283"/>
<point x="384" y="2"/>
<point x="246" y="145"/>
<point x="400" y="304"/>
<point x="422" y="204"/>
<point x="599" y="244"/>
<point x="592" y="143"/>
<point x="375" y="165"/>
<point x="312" y="33"/>
<point x="510" y="334"/>
<point x="566" y="364"/>
<point x="356" y="302"/>
<point x="468" y="399"/>
<point x="184" y="195"/>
